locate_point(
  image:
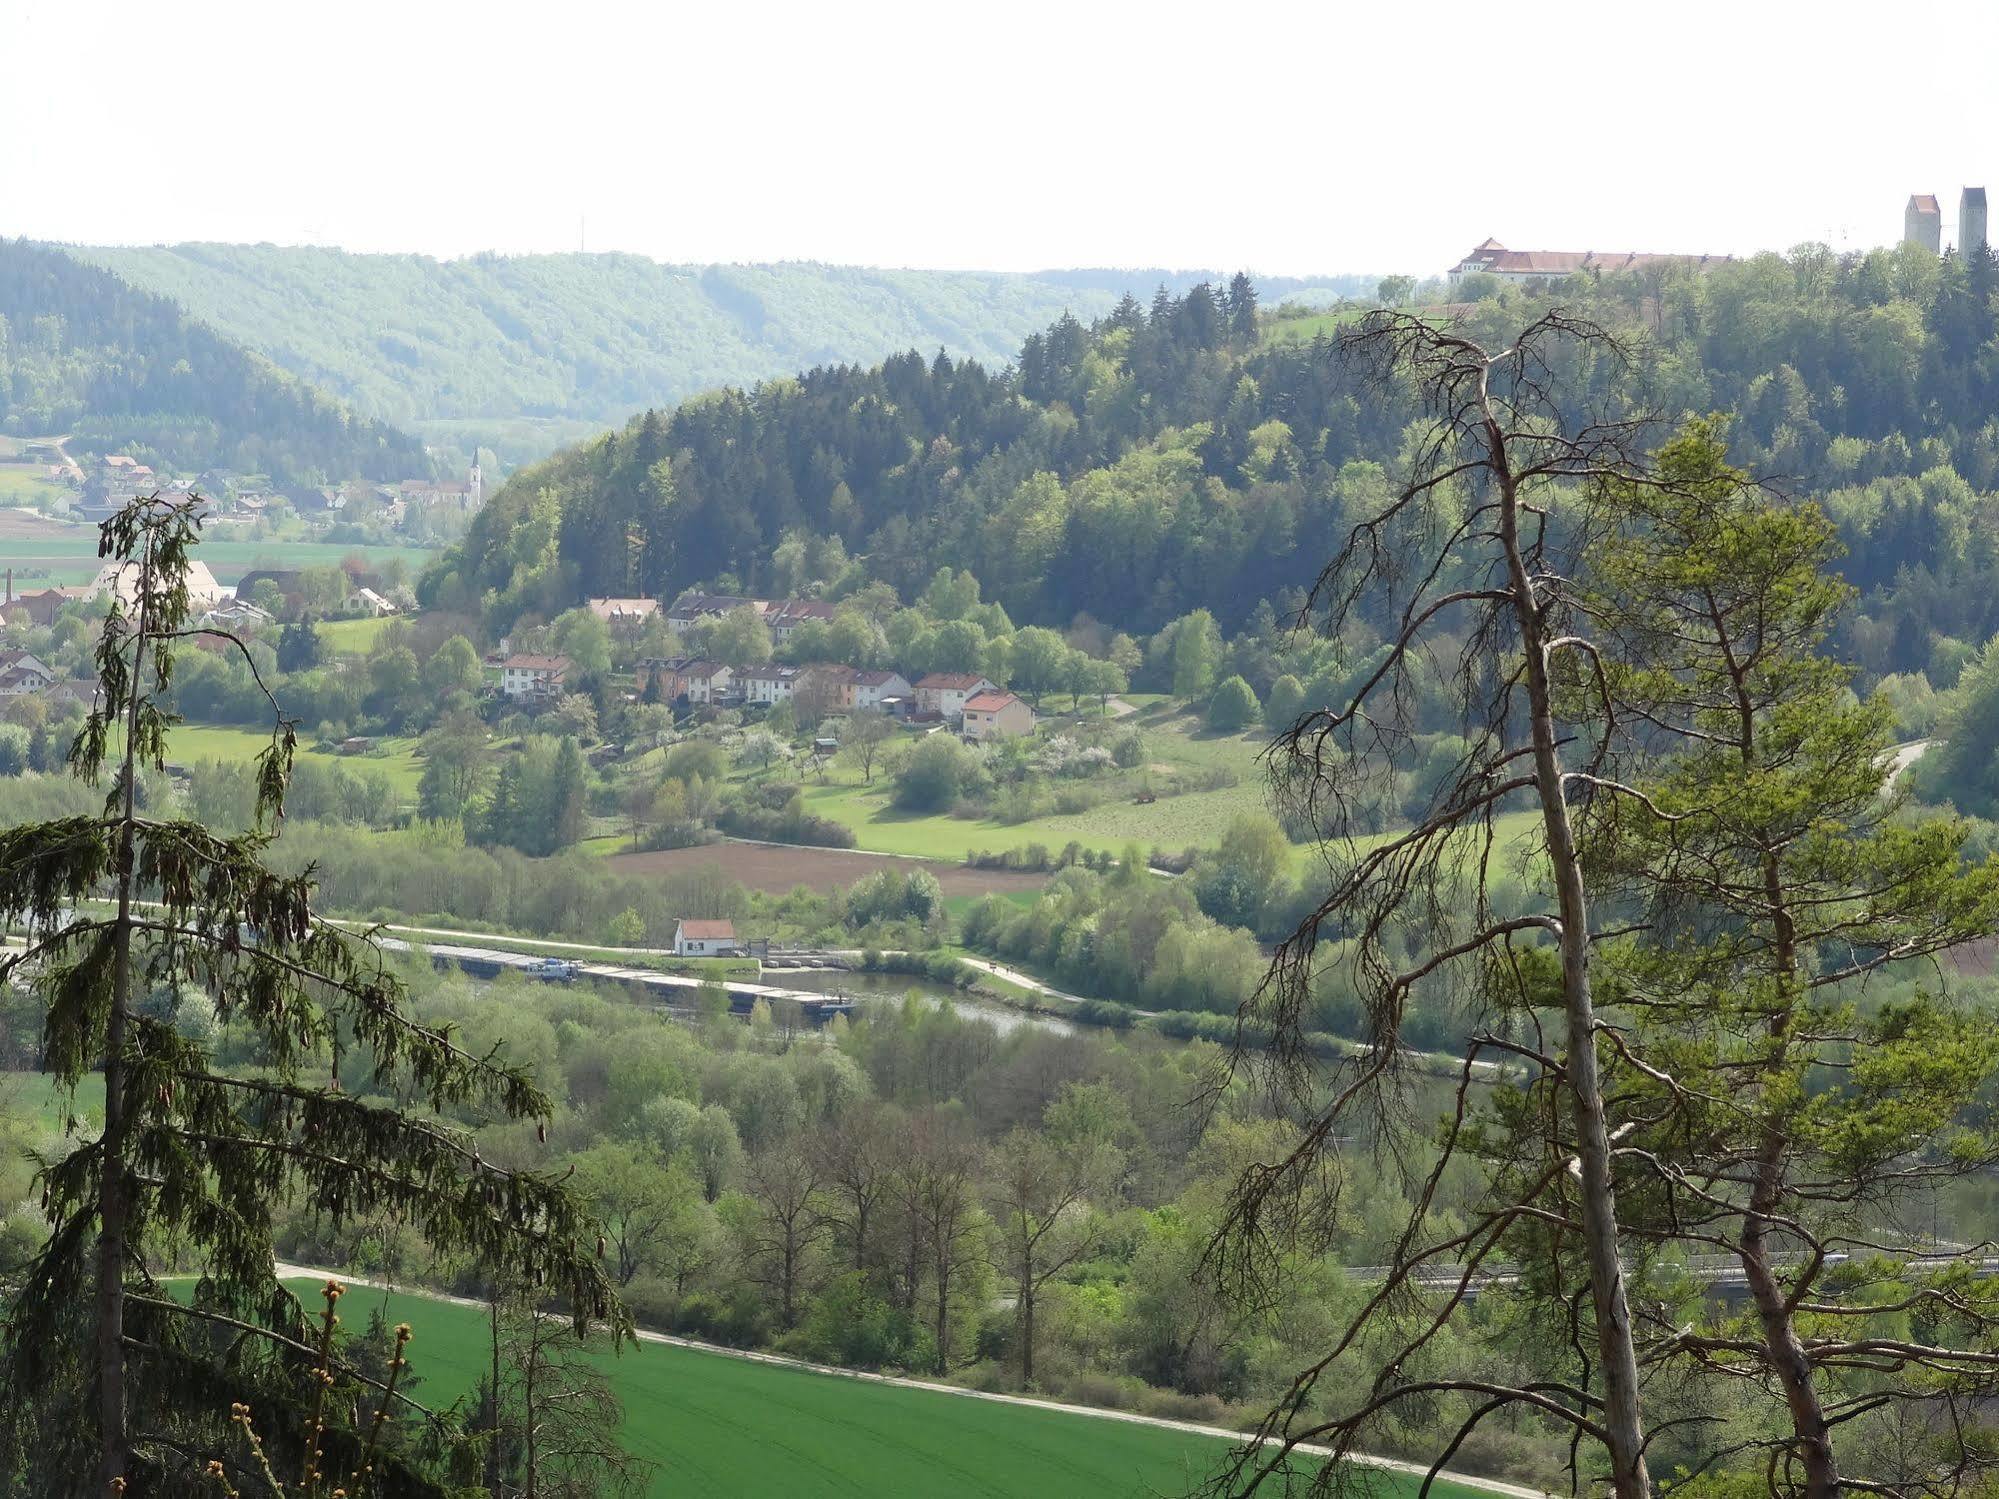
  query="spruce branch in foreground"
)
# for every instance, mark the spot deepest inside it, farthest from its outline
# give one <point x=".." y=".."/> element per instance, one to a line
<point x="104" y="1373"/>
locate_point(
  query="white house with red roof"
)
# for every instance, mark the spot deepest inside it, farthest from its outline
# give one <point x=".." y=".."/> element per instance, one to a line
<point x="531" y="678"/>
<point x="705" y="939"/>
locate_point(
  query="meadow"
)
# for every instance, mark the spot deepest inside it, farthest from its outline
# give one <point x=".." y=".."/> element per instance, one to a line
<point x="395" y="760"/>
<point x="713" y="1424"/>
<point x="1176" y="744"/>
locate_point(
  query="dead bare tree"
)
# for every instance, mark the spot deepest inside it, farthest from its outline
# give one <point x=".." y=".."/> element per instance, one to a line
<point x="1468" y="558"/>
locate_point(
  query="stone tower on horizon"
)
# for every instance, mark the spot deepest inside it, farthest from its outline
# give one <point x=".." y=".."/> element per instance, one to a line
<point x="1922" y="223"/>
<point x="1971" y="236"/>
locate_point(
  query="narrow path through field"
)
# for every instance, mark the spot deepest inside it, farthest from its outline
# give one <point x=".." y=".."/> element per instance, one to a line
<point x="834" y="1371"/>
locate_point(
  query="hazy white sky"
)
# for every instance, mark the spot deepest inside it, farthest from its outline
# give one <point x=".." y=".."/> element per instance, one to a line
<point x="1285" y="138"/>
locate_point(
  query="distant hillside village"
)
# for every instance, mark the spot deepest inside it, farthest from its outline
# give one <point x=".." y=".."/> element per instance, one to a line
<point x="968" y="702"/>
<point x="425" y="510"/>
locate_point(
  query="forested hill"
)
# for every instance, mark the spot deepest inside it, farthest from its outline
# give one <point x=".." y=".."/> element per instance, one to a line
<point x="1180" y="456"/>
<point x="524" y="353"/>
<point x="119" y="369"/>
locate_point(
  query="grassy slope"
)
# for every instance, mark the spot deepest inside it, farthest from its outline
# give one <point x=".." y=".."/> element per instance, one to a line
<point x="351" y="637"/>
<point x="396" y="761"/>
<point x="1173" y="740"/>
<point x="719" y="1425"/>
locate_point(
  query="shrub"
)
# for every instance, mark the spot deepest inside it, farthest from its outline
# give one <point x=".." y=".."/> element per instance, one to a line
<point x="1285" y="703"/>
<point x="937" y="773"/>
<point x="1233" y="706"/>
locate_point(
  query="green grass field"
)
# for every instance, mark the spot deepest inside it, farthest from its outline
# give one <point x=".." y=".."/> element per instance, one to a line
<point x="37" y="1096"/>
<point x="69" y="562"/>
<point x="1175" y="745"/>
<point x="717" y="1425"/>
<point x="352" y="637"/>
<point x="26" y="484"/>
<point x="395" y="759"/>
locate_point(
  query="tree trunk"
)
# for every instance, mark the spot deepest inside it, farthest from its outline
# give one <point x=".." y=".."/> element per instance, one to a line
<point x="493" y="1442"/>
<point x="531" y="1417"/>
<point x="1616" y="1350"/>
<point x="113" y="1193"/>
<point x="1786" y="1351"/>
<point x="943" y="1320"/>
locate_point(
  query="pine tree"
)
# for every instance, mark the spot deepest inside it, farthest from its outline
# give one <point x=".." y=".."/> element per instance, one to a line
<point x="103" y="1372"/>
<point x="1763" y="871"/>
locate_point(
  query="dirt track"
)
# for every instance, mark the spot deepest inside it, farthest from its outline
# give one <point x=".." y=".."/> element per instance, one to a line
<point x="775" y="867"/>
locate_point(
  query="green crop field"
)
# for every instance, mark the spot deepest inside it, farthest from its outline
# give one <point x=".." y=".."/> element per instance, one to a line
<point x="723" y="1426"/>
<point x="394" y="760"/>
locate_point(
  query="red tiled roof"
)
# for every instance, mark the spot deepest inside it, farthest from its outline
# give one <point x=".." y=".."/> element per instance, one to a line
<point x="951" y="681"/>
<point x="1493" y="256"/>
<point x="989" y="702"/>
<point x="708" y="931"/>
<point x="536" y="663"/>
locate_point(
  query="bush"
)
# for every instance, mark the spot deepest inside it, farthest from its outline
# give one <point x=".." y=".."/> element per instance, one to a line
<point x="1128" y="752"/>
<point x="938" y="772"/>
<point x="1233" y="706"/>
<point x="1285" y="703"/>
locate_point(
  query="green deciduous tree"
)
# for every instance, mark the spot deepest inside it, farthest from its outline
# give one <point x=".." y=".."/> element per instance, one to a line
<point x="1233" y="706"/>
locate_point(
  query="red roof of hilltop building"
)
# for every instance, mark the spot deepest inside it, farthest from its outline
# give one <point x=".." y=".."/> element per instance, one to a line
<point x="1494" y="258"/>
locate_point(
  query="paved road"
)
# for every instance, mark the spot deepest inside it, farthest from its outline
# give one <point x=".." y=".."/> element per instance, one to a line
<point x="1902" y="756"/>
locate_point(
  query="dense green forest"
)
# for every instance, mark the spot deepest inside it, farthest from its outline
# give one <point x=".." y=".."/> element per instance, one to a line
<point x="1179" y="456"/>
<point x="83" y="353"/>
<point x="523" y="353"/>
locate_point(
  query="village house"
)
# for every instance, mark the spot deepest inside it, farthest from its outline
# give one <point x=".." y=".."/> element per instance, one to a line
<point x="672" y="678"/>
<point x="38" y="608"/>
<point x="122" y="579"/>
<point x="997" y="715"/>
<point x="73" y="692"/>
<point x="691" y="608"/>
<point x="365" y="603"/>
<point x="624" y="616"/>
<point x="786" y="615"/>
<point x="532" y="679"/>
<point x="944" y="692"/>
<point x="21" y="674"/>
<point x="705" y="939"/>
<point x="768" y="685"/>
<point x="706" y="682"/>
<point x="830" y="685"/>
<point x="235" y="614"/>
<point x="871" y="689"/>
